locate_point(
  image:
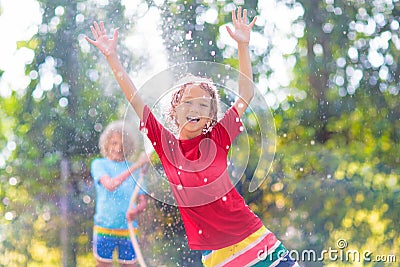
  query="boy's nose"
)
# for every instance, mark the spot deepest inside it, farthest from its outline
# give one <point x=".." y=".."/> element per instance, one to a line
<point x="196" y="107"/>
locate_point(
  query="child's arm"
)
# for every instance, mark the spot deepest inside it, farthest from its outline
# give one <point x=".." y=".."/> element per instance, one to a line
<point x="241" y="35"/>
<point x="108" y="46"/>
<point x="131" y="214"/>
<point x="113" y="183"/>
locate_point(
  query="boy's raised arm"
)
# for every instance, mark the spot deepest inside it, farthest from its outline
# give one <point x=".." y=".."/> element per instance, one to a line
<point x="108" y="46"/>
<point x="241" y="35"/>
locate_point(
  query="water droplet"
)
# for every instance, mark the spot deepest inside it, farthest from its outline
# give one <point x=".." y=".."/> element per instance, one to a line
<point x="9" y="216"/>
<point x="240" y="105"/>
<point x="205" y="180"/>
<point x="200" y="232"/>
<point x="224" y="198"/>
<point x="301" y="169"/>
<point x="241" y="128"/>
<point x="98" y="127"/>
<point x="63" y="102"/>
<point x="86" y="199"/>
<point x="179" y="173"/>
<point x="6" y="201"/>
<point x="144" y="130"/>
<point x="155" y="143"/>
<point x="92" y="112"/>
<point x="46" y="216"/>
<point x="237" y="119"/>
<point x="12" y="181"/>
<point x="227" y="147"/>
<point x="180" y="167"/>
<point x="179" y="187"/>
<point x="188" y="35"/>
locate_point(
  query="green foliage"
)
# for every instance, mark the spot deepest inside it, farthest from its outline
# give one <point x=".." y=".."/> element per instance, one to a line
<point x="338" y="149"/>
<point x="59" y="117"/>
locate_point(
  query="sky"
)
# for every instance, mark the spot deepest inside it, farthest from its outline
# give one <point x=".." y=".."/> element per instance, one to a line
<point x="16" y="24"/>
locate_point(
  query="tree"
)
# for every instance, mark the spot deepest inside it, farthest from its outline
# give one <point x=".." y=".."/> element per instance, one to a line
<point x="56" y="124"/>
<point x="339" y="146"/>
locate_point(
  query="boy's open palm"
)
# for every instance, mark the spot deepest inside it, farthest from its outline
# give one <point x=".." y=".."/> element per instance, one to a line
<point x="101" y="40"/>
<point x="241" y="34"/>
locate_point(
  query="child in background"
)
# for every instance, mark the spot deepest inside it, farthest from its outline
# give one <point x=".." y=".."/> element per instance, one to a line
<point x="216" y="218"/>
<point x="114" y="185"/>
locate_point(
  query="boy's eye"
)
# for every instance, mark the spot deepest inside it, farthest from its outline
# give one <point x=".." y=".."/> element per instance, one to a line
<point x="204" y="105"/>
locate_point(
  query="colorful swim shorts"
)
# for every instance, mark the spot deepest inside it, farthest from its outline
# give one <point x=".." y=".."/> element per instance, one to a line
<point x="106" y="241"/>
<point x="261" y="248"/>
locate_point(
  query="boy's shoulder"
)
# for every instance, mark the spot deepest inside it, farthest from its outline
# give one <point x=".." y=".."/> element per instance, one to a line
<point x="106" y="161"/>
<point x="100" y="161"/>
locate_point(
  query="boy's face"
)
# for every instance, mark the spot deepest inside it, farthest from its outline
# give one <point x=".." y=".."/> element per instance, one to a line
<point x="114" y="147"/>
<point x="193" y="111"/>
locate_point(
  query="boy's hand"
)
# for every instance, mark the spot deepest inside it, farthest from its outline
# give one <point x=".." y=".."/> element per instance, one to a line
<point x="105" y="44"/>
<point x="131" y="214"/>
<point x="242" y="30"/>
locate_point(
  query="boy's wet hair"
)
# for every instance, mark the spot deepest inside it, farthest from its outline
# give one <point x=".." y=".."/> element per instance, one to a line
<point x="204" y="83"/>
<point x="128" y="140"/>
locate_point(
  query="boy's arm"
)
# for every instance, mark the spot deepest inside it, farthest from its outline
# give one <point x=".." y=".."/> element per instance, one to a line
<point x="113" y="183"/>
<point x="108" y="46"/>
<point x="131" y="214"/>
<point x="126" y="84"/>
<point x="241" y="35"/>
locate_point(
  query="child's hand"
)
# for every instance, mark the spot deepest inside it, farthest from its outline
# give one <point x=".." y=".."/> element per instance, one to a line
<point x="131" y="214"/>
<point x="105" y="44"/>
<point x="242" y="30"/>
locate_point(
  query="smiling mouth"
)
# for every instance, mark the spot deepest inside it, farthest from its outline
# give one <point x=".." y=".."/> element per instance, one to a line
<point x="192" y="119"/>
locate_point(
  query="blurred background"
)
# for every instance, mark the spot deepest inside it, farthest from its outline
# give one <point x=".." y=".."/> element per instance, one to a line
<point x="329" y="71"/>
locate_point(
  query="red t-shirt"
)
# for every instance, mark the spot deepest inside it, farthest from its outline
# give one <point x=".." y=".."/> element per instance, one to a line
<point x="213" y="212"/>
